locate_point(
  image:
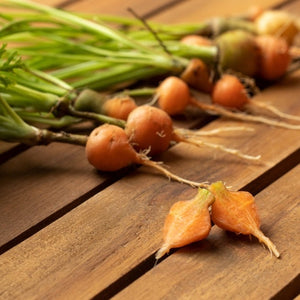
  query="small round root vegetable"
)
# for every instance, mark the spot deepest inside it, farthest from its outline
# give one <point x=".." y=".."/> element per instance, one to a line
<point x="229" y="92"/>
<point x="173" y="95"/>
<point x="187" y="222"/>
<point x="238" y="52"/>
<point x="149" y="128"/>
<point x="119" y="107"/>
<point x="277" y="23"/>
<point x="274" y="57"/>
<point x="197" y="75"/>
<point x="196" y="40"/>
<point x="108" y="149"/>
<point x="237" y="212"/>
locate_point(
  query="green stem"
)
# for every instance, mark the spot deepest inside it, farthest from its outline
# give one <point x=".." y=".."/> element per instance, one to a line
<point x="119" y="75"/>
<point x="79" y="69"/>
<point x="96" y="117"/>
<point x="140" y="92"/>
<point x="83" y="23"/>
<point x="47" y="119"/>
<point x="52" y="79"/>
<point x="160" y="60"/>
<point x="13" y="128"/>
<point x="46" y="136"/>
<point x="39" y="100"/>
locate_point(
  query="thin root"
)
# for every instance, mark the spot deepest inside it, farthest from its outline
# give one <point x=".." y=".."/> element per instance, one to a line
<point x="275" y="111"/>
<point x="191" y="133"/>
<point x="242" y="116"/>
<point x="162" y="251"/>
<point x="170" y="175"/>
<point x="267" y="242"/>
<point x="198" y="143"/>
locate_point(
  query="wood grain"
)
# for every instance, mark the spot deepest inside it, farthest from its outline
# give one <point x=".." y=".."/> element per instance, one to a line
<point x="226" y="266"/>
<point x="39" y="182"/>
<point x="119" y="227"/>
<point x="197" y="10"/>
<point x="96" y="243"/>
<point x="116" y="7"/>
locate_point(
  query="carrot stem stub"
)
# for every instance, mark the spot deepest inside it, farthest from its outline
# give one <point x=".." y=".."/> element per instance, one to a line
<point x="187" y="222"/>
<point x="237" y="212"/>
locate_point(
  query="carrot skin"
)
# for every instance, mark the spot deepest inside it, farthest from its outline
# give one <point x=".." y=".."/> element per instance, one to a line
<point x="187" y="222"/>
<point x="237" y="212"/>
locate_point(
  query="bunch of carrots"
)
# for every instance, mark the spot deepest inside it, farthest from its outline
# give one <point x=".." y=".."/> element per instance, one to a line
<point x="223" y="58"/>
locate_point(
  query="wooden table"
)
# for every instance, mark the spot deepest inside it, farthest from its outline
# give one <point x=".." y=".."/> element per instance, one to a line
<point x="69" y="232"/>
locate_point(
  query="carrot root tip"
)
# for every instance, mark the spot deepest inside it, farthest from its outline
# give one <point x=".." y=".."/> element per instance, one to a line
<point x="162" y="251"/>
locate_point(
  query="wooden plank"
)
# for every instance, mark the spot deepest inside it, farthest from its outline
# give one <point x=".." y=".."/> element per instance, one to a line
<point x="39" y="182"/>
<point x="120" y="227"/>
<point x="197" y="10"/>
<point x="117" y="7"/>
<point x="52" y="2"/>
<point x="226" y="266"/>
<point x="4" y="146"/>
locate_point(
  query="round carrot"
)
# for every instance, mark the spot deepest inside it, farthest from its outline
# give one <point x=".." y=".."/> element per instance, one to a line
<point x="228" y="91"/>
<point x="119" y="107"/>
<point x="198" y="76"/>
<point x="274" y="57"/>
<point x="187" y="222"/>
<point x="149" y="128"/>
<point x="174" y="95"/>
<point x="108" y="149"/>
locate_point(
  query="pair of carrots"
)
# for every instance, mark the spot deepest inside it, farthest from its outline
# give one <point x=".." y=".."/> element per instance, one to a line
<point x="190" y="221"/>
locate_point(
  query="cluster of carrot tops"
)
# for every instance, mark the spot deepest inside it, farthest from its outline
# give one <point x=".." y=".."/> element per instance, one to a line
<point x="58" y="69"/>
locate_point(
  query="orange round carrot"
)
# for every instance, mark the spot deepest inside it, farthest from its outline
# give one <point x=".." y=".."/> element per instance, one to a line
<point x="187" y="222"/>
<point x="237" y="212"/>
